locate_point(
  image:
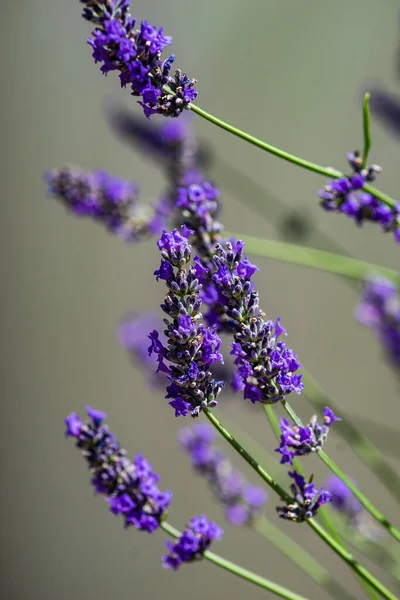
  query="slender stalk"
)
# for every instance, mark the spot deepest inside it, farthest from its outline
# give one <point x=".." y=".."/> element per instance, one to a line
<point x="322" y="513"/>
<point x="300" y="162"/>
<point x="319" y="530"/>
<point x="360" y="444"/>
<point x="314" y="259"/>
<point x="287" y="546"/>
<point x="373" y="511"/>
<point x="366" y="129"/>
<point x="262" y="582"/>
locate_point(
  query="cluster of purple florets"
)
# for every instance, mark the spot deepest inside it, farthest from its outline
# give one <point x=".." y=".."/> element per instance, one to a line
<point x="243" y="502"/>
<point x="130" y="487"/>
<point x="136" y="54"/>
<point x="192" y="348"/>
<point x="379" y="309"/>
<point x="106" y="199"/>
<point x="346" y="195"/>
<point x="267" y="369"/>
<point x="193" y="542"/>
<point x="307" y="499"/>
<point x="299" y="441"/>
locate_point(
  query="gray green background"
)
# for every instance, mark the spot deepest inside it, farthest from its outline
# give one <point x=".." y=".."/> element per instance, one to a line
<point x="290" y="71"/>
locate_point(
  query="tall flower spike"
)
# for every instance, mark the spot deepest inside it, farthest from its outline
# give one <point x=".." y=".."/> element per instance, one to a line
<point x="194" y="541"/>
<point x="346" y="195"/>
<point x="243" y="502"/>
<point x="299" y="441"/>
<point x="379" y="309"/>
<point x="306" y="500"/>
<point x="106" y="199"/>
<point x="136" y="54"/>
<point x="266" y="366"/>
<point x="191" y="347"/>
<point x="130" y="487"/>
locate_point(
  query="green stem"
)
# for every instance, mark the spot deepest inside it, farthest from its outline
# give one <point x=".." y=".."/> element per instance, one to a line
<point x="323" y="534"/>
<point x="366" y="129"/>
<point x="322" y="513"/>
<point x="262" y="582"/>
<point x="373" y="511"/>
<point x="360" y="444"/>
<point x="300" y="162"/>
<point x="301" y="558"/>
<point x="313" y="258"/>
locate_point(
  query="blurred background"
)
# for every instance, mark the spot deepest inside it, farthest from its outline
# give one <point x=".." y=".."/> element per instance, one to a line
<point x="292" y="73"/>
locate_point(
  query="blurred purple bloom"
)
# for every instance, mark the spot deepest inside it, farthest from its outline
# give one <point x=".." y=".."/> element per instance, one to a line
<point x="193" y="542"/>
<point x="379" y="309"/>
<point x="307" y="500"/>
<point x="130" y="487"/>
<point x="299" y="441"/>
<point x="243" y="502"/>
<point x="343" y="499"/>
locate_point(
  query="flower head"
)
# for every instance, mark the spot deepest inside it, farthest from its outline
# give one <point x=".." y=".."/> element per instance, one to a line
<point x="306" y="500"/>
<point x="267" y="368"/>
<point x="130" y="487"/>
<point x="343" y="499"/>
<point x="379" y="309"/>
<point x="298" y="441"/>
<point x="136" y="55"/>
<point x="346" y="195"/>
<point x="191" y="347"/>
<point x="243" y="502"/>
<point x="193" y="542"/>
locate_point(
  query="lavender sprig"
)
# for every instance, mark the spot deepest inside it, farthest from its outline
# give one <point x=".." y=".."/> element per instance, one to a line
<point x="299" y="441"/>
<point x="193" y="542"/>
<point x="130" y="487"/>
<point x="136" y="54"/>
<point x="307" y="500"/>
<point x="267" y="368"/>
<point x="191" y="347"/>
<point x="243" y="502"/>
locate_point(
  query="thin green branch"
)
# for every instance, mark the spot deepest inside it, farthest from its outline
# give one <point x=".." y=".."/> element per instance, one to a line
<point x="366" y="129"/>
<point x="262" y="582"/>
<point x="314" y="259"/>
<point x="300" y="162"/>
<point x="367" y="504"/>
<point x="319" y="530"/>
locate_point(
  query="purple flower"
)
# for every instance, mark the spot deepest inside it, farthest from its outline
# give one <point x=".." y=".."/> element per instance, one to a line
<point x="306" y="500"/>
<point x="266" y="366"/>
<point x="136" y="54"/>
<point x="106" y="199"/>
<point x="130" y="487"/>
<point x="299" y="441"/>
<point x="193" y="542"/>
<point x="342" y="498"/>
<point x="379" y="309"/>
<point x="191" y="348"/>
<point x="345" y="195"/>
<point x="243" y="502"/>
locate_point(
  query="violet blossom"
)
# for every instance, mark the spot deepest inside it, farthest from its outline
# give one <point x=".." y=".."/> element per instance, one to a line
<point x="193" y="542"/>
<point x="307" y="500"/>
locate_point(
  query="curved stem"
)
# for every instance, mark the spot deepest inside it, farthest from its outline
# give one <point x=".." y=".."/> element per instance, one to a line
<point x="366" y="129"/>
<point x="300" y="162"/>
<point x="313" y="258"/>
<point x="323" y="534"/>
<point x="373" y="511"/>
<point x="262" y="582"/>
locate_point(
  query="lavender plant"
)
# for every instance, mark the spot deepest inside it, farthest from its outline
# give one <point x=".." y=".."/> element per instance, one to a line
<point x="211" y="295"/>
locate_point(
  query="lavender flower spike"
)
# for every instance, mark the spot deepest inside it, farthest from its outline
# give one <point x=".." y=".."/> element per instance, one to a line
<point x="136" y="54"/>
<point x="298" y="441"/>
<point x="243" y="502"/>
<point x="194" y="541"/>
<point x="106" y="199"/>
<point x="266" y="366"/>
<point x="379" y="309"/>
<point x="130" y="487"/>
<point x="346" y="195"/>
<point x="307" y="500"/>
<point x="191" y="347"/>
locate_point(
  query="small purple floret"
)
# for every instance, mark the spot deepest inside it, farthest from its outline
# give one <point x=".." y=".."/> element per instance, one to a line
<point x="193" y="542"/>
